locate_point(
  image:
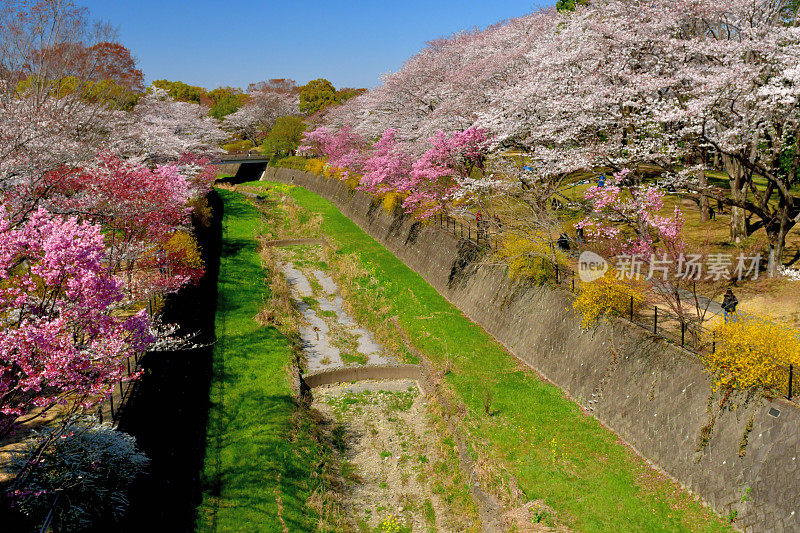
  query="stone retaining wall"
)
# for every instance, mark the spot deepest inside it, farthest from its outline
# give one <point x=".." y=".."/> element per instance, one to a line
<point x="654" y="395"/>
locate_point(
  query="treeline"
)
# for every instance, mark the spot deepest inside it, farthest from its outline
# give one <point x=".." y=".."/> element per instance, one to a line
<point x="269" y="115"/>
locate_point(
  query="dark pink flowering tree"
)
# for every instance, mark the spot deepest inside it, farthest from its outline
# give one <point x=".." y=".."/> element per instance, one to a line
<point x="387" y="166"/>
<point x="60" y="337"/>
<point x="140" y="208"/>
<point x="342" y="148"/>
<point x="453" y="168"/>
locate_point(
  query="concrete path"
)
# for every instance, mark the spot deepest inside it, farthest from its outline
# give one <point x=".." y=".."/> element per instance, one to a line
<point x="316" y="335"/>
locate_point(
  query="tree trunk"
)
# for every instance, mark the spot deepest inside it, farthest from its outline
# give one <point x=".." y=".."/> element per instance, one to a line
<point x="702" y="182"/>
<point x="777" y="242"/>
<point x="738" y="186"/>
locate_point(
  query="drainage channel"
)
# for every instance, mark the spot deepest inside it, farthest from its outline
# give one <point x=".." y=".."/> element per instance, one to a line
<point x="396" y="464"/>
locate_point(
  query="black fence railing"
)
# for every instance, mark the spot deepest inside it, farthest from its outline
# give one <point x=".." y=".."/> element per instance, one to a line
<point x="688" y="334"/>
<point x="110" y="410"/>
<point x="481" y="234"/>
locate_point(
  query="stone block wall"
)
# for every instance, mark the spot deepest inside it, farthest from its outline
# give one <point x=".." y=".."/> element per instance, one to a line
<point x="653" y="394"/>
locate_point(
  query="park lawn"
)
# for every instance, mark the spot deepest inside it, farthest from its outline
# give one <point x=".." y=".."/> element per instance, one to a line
<point x="259" y="464"/>
<point x="557" y="453"/>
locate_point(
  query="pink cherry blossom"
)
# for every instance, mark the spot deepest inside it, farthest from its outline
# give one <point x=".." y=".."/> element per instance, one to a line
<point x="60" y="334"/>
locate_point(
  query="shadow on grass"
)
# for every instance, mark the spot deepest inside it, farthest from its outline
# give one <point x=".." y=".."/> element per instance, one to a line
<point x="263" y="450"/>
<point x="168" y="410"/>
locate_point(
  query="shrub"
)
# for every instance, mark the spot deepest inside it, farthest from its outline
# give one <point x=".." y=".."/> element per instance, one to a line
<point x="529" y="259"/>
<point x="238" y="146"/>
<point x="201" y="211"/>
<point x="751" y="354"/>
<point x="333" y="173"/>
<point x="89" y="465"/>
<point x="392" y="200"/>
<point x="603" y="299"/>
<point x="184" y="251"/>
<point x="315" y="166"/>
<point x="295" y="162"/>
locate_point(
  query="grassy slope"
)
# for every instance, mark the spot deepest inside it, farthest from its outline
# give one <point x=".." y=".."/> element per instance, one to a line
<point x="558" y="453"/>
<point x="247" y="446"/>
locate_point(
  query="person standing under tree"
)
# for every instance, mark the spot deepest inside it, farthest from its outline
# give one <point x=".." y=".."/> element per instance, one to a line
<point x="729" y="303"/>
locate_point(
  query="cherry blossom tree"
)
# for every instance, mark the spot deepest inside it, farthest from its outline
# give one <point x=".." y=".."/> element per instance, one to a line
<point x="625" y="217"/>
<point x="266" y="103"/>
<point x="161" y="129"/>
<point x="387" y="166"/>
<point x="142" y="209"/>
<point x="614" y="84"/>
<point x="85" y="237"/>
<point x="65" y="86"/>
<point x="451" y="169"/>
<point x="342" y="149"/>
<point x="649" y="249"/>
<point x="46" y="122"/>
<point x="60" y="339"/>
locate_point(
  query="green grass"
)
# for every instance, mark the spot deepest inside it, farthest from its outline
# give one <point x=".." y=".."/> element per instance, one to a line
<point x="251" y="464"/>
<point x="557" y="453"/>
<point x="359" y="358"/>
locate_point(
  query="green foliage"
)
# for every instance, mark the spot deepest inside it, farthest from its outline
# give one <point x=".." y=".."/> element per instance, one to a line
<point x="569" y="5"/>
<point x="102" y="92"/>
<point x="239" y="145"/>
<point x="110" y="93"/>
<point x="181" y="91"/>
<point x="320" y="93"/>
<point x="89" y="465"/>
<point x="316" y="95"/>
<point x="346" y="93"/>
<point x="295" y="162"/>
<point x="226" y="100"/>
<point x="284" y="137"/>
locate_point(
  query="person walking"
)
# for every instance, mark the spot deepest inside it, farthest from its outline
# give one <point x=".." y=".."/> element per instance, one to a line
<point x="729" y="303"/>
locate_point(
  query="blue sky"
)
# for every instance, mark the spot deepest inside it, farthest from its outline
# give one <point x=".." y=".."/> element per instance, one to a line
<point x="212" y="43"/>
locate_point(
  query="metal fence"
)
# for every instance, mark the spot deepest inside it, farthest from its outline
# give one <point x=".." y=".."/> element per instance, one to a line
<point x="690" y="335"/>
<point x="111" y="409"/>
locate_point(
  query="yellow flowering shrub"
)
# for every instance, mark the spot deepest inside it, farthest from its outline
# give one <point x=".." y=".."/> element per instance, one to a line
<point x="392" y="200"/>
<point x="604" y="298"/>
<point x="315" y="166"/>
<point x="752" y="352"/>
<point x="333" y="173"/>
<point x="353" y="181"/>
<point x="527" y="258"/>
<point x="184" y="245"/>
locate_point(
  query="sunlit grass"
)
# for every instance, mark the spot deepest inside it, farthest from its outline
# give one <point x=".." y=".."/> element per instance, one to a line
<point x="255" y="474"/>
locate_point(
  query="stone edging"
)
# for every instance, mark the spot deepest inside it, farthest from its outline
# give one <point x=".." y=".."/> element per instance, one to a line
<point x="363" y="372"/>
